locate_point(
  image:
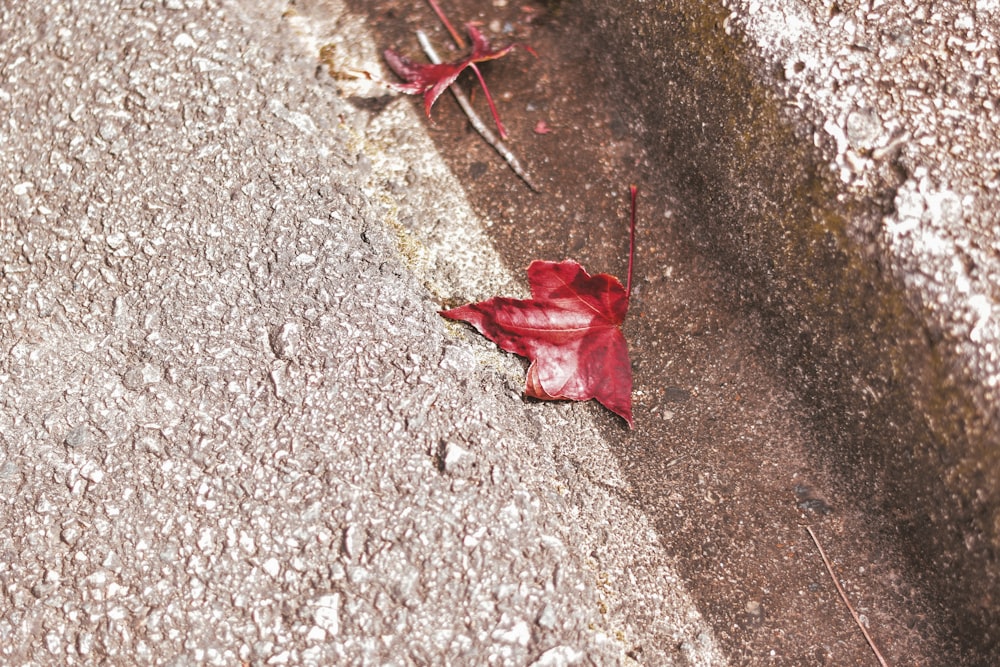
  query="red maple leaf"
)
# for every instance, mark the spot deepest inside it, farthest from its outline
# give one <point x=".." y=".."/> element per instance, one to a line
<point x="570" y="329"/>
<point x="431" y="80"/>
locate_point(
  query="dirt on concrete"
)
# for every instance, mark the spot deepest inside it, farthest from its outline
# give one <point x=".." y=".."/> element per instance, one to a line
<point x="723" y="456"/>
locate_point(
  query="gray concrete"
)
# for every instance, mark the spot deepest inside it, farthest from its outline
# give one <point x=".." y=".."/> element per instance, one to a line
<point x="233" y="426"/>
<point x="840" y="159"/>
<point x="903" y="96"/>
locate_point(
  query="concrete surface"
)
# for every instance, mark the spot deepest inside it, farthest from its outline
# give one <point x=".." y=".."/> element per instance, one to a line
<point x="843" y="170"/>
<point x="233" y="427"/>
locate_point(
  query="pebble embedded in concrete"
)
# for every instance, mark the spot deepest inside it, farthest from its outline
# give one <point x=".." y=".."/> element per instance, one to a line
<point x="458" y="461"/>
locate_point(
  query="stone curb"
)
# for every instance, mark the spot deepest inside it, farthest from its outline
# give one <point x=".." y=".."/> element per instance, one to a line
<point x="841" y="163"/>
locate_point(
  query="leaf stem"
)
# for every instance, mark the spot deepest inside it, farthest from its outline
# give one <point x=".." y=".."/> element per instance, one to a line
<point x="489" y="100"/>
<point x="447" y="24"/>
<point x="631" y="245"/>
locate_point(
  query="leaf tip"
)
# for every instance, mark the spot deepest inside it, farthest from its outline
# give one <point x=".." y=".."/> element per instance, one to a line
<point x="624" y="411"/>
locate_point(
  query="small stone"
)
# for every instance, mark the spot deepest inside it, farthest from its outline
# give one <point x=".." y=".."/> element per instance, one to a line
<point x="184" y="41"/>
<point x="353" y="541"/>
<point x="112" y="562"/>
<point x="863" y="128"/>
<point x="41" y="590"/>
<point x="44" y="505"/>
<point x="558" y="656"/>
<point x="97" y="579"/>
<point x="458" y="460"/>
<point x="358" y="575"/>
<point x="91" y="472"/>
<point x="69" y="535"/>
<point x="206" y="540"/>
<point x="132" y="379"/>
<point x="272" y="566"/>
<point x="247" y="543"/>
<point x="84" y="643"/>
<point x="150" y="374"/>
<point x="327" y="614"/>
<point x="78" y="437"/>
<point x="9" y="472"/>
<point x="108" y="131"/>
<point x="548" y="618"/>
<point x="519" y="634"/>
<point x="302" y="121"/>
<point x="138" y="377"/>
<point x="89" y="155"/>
<point x="53" y="642"/>
<point x="285" y="340"/>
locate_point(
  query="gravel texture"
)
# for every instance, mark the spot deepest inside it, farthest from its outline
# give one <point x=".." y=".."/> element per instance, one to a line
<point x="904" y="96"/>
<point x="233" y="426"/>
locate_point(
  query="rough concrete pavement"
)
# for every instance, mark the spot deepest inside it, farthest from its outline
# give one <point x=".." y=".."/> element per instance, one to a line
<point x="233" y="427"/>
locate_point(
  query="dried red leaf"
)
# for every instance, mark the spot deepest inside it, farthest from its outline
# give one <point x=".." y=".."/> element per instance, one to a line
<point x="431" y="80"/>
<point x="571" y="331"/>
<point x="423" y="79"/>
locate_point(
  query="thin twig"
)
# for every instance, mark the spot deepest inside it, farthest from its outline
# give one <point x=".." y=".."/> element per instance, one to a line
<point x="843" y="596"/>
<point x="459" y="42"/>
<point x="476" y="121"/>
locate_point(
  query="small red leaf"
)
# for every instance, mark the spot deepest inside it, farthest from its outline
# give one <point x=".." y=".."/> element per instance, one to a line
<point x="570" y="328"/>
<point x="431" y="80"/>
<point x="427" y="80"/>
<point x="571" y="331"/>
<point x="481" y="49"/>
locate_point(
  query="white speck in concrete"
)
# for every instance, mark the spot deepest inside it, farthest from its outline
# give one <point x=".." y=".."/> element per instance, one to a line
<point x="271" y="566"/>
<point x="457" y="459"/>
<point x="327" y="613"/>
<point x="184" y="41"/>
<point x="519" y="634"/>
<point x="558" y="656"/>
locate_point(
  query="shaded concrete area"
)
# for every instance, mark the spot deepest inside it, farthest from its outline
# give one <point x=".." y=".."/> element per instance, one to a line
<point x="840" y="171"/>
